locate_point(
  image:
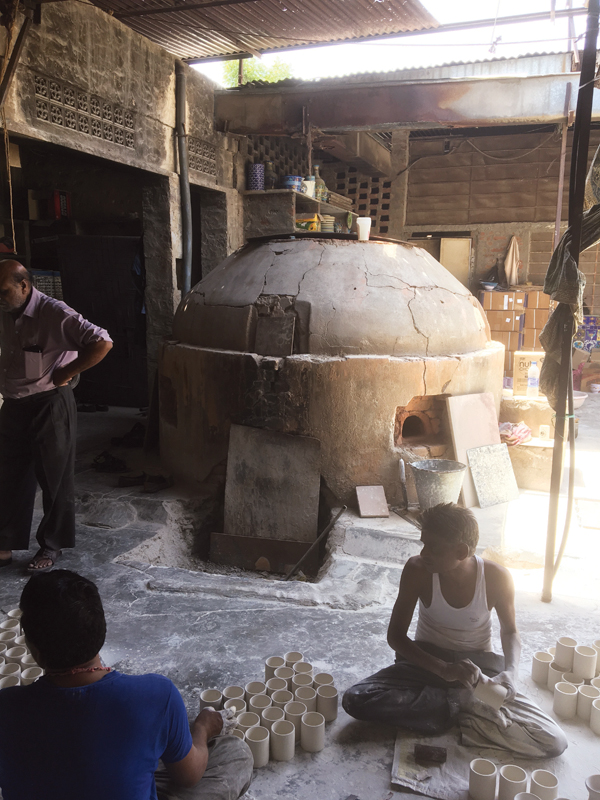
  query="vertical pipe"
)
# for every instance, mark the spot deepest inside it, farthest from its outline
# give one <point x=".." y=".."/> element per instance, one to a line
<point x="184" y="178"/>
<point x="561" y="177"/>
<point x="581" y="138"/>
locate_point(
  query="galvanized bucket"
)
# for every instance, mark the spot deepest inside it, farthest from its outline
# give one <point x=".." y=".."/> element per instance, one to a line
<point x="437" y="480"/>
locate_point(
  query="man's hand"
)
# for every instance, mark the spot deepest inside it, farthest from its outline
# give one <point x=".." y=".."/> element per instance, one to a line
<point x="464" y="672"/>
<point x="507" y="679"/>
<point x="61" y="376"/>
<point x="211" y="722"/>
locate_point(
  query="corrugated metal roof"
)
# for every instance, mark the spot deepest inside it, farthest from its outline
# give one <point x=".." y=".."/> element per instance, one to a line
<point x="194" y="30"/>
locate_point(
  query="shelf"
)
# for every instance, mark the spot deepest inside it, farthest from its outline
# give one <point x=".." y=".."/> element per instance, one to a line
<point x="303" y="199"/>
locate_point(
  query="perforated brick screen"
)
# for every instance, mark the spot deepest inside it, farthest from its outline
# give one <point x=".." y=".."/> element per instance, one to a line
<point x="371" y="196"/>
<point x="289" y="157"/>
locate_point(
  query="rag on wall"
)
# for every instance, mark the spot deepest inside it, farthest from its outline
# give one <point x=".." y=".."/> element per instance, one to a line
<point x="512" y="262"/>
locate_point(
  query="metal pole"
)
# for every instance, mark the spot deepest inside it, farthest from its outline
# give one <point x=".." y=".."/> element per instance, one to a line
<point x="581" y="138"/>
<point x="184" y="178"/>
<point x="561" y="177"/>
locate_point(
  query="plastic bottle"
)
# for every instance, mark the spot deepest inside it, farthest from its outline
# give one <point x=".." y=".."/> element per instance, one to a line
<point x="321" y="191"/>
<point x="533" y="380"/>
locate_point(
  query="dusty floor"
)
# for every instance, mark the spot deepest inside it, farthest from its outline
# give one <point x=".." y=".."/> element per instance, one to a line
<point x="207" y="630"/>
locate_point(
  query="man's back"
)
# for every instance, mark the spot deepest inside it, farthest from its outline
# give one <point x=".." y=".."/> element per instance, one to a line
<point x="95" y="742"/>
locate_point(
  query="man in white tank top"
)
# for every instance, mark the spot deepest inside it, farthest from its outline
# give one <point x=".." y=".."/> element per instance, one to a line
<point x="429" y="688"/>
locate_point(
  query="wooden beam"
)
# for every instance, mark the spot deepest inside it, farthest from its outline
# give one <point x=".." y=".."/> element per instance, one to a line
<point x="145" y="12"/>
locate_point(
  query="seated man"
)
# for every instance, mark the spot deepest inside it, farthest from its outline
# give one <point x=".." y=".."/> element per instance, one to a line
<point x="86" y="731"/>
<point x="456" y="591"/>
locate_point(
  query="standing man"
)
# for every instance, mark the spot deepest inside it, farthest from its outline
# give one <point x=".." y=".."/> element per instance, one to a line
<point x="43" y="345"/>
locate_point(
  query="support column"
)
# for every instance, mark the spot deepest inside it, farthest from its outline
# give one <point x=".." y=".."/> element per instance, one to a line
<point x="399" y="192"/>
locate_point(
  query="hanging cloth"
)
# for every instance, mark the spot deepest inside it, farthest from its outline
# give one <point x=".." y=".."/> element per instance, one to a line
<point x="512" y="262"/>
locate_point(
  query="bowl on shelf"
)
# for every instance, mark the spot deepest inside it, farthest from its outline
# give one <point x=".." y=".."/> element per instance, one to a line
<point x="579" y="399"/>
<point x="488" y="286"/>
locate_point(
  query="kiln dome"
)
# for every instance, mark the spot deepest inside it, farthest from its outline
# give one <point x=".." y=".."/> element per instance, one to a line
<point x="332" y="297"/>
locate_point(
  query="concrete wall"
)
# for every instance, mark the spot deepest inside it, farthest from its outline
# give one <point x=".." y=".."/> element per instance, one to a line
<point x="88" y="83"/>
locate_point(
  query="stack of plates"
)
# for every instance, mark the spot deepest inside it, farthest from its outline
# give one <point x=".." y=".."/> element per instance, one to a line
<point x="327" y="222"/>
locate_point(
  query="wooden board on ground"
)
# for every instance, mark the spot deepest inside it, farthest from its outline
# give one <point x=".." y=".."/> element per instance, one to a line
<point x="493" y="474"/>
<point x="273" y="484"/>
<point x="371" y="501"/>
<point x="249" y="552"/>
<point x="473" y="423"/>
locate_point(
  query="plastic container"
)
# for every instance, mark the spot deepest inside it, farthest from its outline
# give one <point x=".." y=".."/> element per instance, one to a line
<point x="364" y="228"/>
<point x="437" y="480"/>
<point x="533" y="380"/>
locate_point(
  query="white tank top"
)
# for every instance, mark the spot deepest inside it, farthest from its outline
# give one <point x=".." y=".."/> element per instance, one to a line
<point x="465" y="629"/>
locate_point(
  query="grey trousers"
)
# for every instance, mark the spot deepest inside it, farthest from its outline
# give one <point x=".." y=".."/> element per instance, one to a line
<point x="406" y="696"/>
<point x="228" y="774"/>
<point x="37" y="445"/>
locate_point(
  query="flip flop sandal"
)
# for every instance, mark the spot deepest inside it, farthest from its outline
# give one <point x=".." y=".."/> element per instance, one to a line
<point x="44" y="553"/>
<point x="106" y="462"/>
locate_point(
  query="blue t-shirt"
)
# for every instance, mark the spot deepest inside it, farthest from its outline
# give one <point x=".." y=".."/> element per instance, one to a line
<point x="98" y="742"/>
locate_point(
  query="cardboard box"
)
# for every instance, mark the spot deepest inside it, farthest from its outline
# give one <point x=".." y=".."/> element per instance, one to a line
<point x="531" y="339"/>
<point x="536" y="318"/>
<point x="511" y="340"/>
<point x="505" y="320"/>
<point x="538" y="300"/>
<point x="497" y="301"/>
<point x="522" y="362"/>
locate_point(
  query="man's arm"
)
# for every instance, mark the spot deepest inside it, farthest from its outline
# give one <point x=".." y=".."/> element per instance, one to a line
<point x="89" y="356"/>
<point x="464" y="672"/>
<point x="503" y="594"/>
<point x="190" y="769"/>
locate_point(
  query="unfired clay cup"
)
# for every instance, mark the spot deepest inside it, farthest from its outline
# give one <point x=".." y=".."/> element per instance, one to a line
<point x="570" y="677"/>
<point x="238" y="705"/>
<point x="585" y="697"/>
<point x="10" y="670"/>
<point x="539" y="667"/>
<point x="281" y="698"/>
<point x="565" y="649"/>
<point x="259" y="702"/>
<point x="293" y="657"/>
<point x="482" y="779"/>
<point x="301" y="679"/>
<point x="271" y="664"/>
<point x="8" y="637"/>
<point x="594" y="715"/>
<point x="30" y="675"/>
<point x="327" y="702"/>
<point x="308" y="696"/>
<point x="247" y="720"/>
<point x="9" y="680"/>
<point x="283" y="740"/>
<point x="312" y="732"/>
<point x="257" y="739"/>
<point x="592" y="784"/>
<point x="490" y="693"/>
<point x="555" y="673"/>
<point x="275" y="684"/>
<point x="544" y="784"/>
<point x="513" y="780"/>
<point x="15" y="654"/>
<point x="270" y="715"/>
<point x="11" y="625"/>
<point x="238" y="733"/>
<point x="322" y="679"/>
<point x="595" y="682"/>
<point x="28" y="661"/>
<point x="564" y="704"/>
<point x="286" y="673"/>
<point x="252" y="688"/>
<point x="231" y="692"/>
<point x="303" y="668"/>
<point x="212" y="698"/>
<point x="584" y="662"/>
<point x="293" y="713"/>
<point x="15" y="613"/>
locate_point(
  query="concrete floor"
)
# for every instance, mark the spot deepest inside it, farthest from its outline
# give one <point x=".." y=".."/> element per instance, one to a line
<point x="209" y="630"/>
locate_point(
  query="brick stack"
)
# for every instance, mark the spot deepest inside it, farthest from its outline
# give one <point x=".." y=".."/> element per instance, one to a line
<point x="516" y="319"/>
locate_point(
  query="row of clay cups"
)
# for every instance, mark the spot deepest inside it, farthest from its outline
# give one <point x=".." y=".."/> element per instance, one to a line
<point x="323" y="699"/>
<point x="546" y="671"/>
<point x="13" y="675"/>
<point x="280" y="731"/>
<point x="512" y="782"/>
<point x="572" y="701"/>
<point x="568" y="656"/>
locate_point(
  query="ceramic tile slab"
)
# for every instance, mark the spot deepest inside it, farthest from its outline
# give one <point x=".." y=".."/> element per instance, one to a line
<point x="473" y="423"/>
<point x="493" y="474"/>
<point x="273" y="484"/>
<point x="371" y="501"/>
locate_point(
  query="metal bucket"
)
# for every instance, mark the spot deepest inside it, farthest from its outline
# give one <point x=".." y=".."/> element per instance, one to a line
<point x="437" y="480"/>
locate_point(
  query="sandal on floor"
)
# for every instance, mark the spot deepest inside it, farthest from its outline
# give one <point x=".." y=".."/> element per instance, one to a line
<point x="43" y="554"/>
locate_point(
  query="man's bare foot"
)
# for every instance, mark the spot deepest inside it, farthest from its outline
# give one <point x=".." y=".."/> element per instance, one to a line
<point x="43" y="560"/>
<point x="5" y="557"/>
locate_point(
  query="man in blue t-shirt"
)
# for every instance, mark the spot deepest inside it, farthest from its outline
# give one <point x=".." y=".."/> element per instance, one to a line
<point x="86" y="731"/>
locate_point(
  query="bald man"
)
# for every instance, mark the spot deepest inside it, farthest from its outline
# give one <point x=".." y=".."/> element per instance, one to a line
<point x="44" y="344"/>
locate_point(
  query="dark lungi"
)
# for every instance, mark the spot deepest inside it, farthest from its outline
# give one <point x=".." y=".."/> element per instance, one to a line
<point x="37" y="446"/>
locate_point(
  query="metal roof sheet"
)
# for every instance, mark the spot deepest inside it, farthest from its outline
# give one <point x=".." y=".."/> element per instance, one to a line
<point x="229" y="28"/>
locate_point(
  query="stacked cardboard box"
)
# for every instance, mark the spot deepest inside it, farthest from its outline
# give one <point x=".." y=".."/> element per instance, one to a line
<point x="516" y="318"/>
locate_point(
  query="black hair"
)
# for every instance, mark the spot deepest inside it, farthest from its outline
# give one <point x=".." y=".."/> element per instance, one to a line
<point x="63" y="618"/>
<point x="452" y="523"/>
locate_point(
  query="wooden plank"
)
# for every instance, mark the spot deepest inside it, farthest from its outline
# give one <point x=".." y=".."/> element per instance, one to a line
<point x="245" y="552"/>
<point x="473" y="423"/>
